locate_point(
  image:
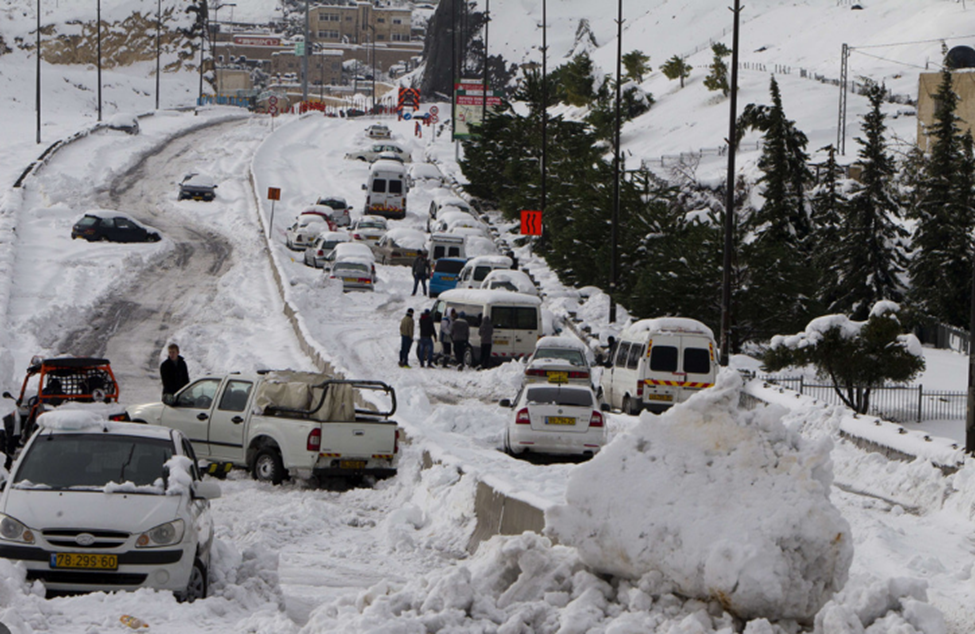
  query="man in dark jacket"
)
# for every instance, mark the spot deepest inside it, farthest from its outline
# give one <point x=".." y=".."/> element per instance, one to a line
<point x="460" y="332"/>
<point x="424" y="349"/>
<point x="486" y="332"/>
<point x="406" y="338"/>
<point x="173" y="371"/>
<point x="421" y="272"/>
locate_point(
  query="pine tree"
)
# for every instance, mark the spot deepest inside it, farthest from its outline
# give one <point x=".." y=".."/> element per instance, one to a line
<point x="871" y="258"/>
<point x="677" y="67"/>
<point x="717" y="79"/>
<point x="827" y="201"/>
<point x="941" y="268"/>
<point x="636" y="64"/>
<point x="577" y="80"/>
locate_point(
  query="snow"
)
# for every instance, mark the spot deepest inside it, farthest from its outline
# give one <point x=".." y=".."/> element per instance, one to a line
<point x="667" y="325"/>
<point x="393" y="558"/>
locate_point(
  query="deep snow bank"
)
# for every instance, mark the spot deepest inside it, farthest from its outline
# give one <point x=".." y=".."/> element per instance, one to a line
<point x="727" y="503"/>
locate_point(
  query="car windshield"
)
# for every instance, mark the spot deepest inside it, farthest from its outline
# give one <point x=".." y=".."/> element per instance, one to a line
<point x="91" y="461"/>
<point x="574" y="357"/>
<point x="559" y="396"/>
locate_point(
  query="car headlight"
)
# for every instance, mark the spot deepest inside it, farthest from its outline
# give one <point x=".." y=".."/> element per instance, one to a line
<point x="163" y="535"/>
<point x="12" y="530"/>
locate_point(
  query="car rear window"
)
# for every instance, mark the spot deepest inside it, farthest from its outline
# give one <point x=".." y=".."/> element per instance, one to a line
<point x="448" y="266"/>
<point x="515" y="317"/>
<point x="560" y="396"/>
<point x="88" y="221"/>
<point x="563" y="354"/>
<point x="697" y="361"/>
<point x="349" y="267"/>
<point x="379" y="185"/>
<point x="395" y="187"/>
<point x="62" y="461"/>
<point x="663" y="359"/>
<point x="481" y="272"/>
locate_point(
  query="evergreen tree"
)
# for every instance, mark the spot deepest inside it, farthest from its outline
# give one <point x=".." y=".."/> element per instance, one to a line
<point x="717" y="79"/>
<point x="871" y="258"/>
<point x="636" y="64"/>
<point x="577" y="80"/>
<point x="827" y="201"/>
<point x="941" y="268"/>
<point x="677" y="67"/>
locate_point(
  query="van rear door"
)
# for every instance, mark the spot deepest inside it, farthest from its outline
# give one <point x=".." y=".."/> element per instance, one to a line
<point x="697" y="365"/>
<point x="516" y="330"/>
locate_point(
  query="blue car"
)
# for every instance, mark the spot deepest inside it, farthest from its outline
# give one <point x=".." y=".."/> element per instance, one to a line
<point x="444" y="275"/>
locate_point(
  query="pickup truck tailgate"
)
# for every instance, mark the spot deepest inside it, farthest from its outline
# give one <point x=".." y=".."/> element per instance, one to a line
<point x="359" y="439"/>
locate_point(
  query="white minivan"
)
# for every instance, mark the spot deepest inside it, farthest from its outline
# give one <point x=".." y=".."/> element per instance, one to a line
<point x="659" y="362"/>
<point x="386" y="189"/>
<point x="477" y="268"/>
<point x="517" y="321"/>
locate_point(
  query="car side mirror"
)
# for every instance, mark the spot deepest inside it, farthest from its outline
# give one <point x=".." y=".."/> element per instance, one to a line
<point x="604" y="407"/>
<point x="505" y="402"/>
<point x="206" y="489"/>
<point x="169" y="399"/>
<point x="363" y="187"/>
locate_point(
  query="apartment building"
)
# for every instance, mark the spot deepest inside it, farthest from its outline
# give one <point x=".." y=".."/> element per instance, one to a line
<point x="354" y="22"/>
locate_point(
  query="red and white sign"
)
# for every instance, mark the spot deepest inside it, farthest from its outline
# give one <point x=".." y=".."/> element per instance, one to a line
<point x="272" y="100"/>
<point x="256" y="40"/>
<point x="434" y="110"/>
<point x="531" y="223"/>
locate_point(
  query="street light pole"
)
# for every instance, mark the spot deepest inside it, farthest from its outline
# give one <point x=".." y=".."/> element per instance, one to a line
<point x="487" y="25"/>
<point x="158" y="46"/>
<point x="544" y="100"/>
<point x="37" y="95"/>
<point x="372" y="28"/>
<point x="729" y="212"/>
<point x="304" y="59"/>
<point x="213" y="40"/>
<point x="99" y="38"/>
<point x="614" y="265"/>
<point x="204" y="27"/>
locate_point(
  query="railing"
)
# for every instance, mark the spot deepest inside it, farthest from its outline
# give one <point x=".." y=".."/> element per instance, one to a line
<point x="898" y="403"/>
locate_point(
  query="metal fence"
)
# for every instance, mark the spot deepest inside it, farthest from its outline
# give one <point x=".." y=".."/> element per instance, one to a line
<point x="898" y="403"/>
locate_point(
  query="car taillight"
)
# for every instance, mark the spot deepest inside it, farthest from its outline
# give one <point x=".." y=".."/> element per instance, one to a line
<point x="314" y="440"/>
<point x="356" y="236"/>
<point x="596" y="420"/>
<point x="397" y="254"/>
<point x="639" y="389"/>
<point x="578" y="375"/>
<point x="123" y="417"/>
<point x="321" y="253"/>
<point x="522" y="418"/>
<point x="396" y="442"/>
<point x="536" y="373"/>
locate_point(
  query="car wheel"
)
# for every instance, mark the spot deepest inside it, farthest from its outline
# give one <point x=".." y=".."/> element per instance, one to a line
<point x="197" y="586"/>
<point x="630" y="406"/>
<point x="507" y="444"/>
<point x="268" y="467"/>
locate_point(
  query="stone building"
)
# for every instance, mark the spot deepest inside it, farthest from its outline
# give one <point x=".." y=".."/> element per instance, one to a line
<point x="354" y="22"/>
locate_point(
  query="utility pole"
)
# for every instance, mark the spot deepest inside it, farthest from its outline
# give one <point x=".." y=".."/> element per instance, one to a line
<point x="372" y="29"/>
<point x="158" y="46"/>
<point x="304" y="59"/>
<point x="487" y="25"/>
<point x="544" y="100"/>
<point x="98" y="19"/>
<point x="204" y="27"/>
<point x="453" y="72"/>
<point x="614" y="264"/>
<point x="970" y="414"/>
<point x="37" y="95"/>
<point x="729" y="213"/>
<point x="841" y="123"/>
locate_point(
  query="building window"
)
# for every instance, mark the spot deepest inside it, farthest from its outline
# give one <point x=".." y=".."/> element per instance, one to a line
<point x="397" y="21"/>
<point x="381" y="20"/>
<point x="335" y="17"/>
<point x="380" y="37"/>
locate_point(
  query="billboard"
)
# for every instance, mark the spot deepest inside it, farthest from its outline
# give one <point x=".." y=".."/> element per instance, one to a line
<point x="469" y="105"/>
<point x="256" y="40"/>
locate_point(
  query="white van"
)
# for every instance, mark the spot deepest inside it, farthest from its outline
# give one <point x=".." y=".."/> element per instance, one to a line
<point x="446" y="245"/>
<point x="517" y="321"/>
<point x="386" y="189"/>
<point x="659" y="362"/>
<point x="477" y="268"/>
<point x="447" y="199"/>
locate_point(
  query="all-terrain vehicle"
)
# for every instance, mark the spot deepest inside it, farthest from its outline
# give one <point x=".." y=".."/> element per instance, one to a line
<point x="51" y="382"/>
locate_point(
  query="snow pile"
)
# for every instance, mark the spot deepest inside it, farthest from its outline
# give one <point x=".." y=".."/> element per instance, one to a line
<point x="731" y="506"/>
<point x="896" y="605"/>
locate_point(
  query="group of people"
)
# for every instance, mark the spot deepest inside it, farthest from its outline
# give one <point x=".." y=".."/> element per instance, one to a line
<point x="454" y="337"/>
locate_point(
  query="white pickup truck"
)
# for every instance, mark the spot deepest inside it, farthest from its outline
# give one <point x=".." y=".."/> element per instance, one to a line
<point x="280" y="424"/>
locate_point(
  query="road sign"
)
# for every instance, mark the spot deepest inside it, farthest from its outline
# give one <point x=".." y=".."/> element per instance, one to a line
<point x="531" y="223"/>
<point x="274" y="193"/>
<point x="434" y="110"/>
<point x="299" y="49"/>
<point x="272" y="110"/>
<point x="272" y="100"/>
<point x="407" y="116"/>
<point x="434" y="119"/>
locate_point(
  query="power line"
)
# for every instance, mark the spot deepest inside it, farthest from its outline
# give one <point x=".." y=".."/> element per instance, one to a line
<point x="939" y="39"/>
<point x="887" y="59"/>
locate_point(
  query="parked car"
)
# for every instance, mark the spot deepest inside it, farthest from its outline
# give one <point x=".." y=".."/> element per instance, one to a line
<point x="444" y="276"/>
<point x="560" y="360"/>
<point x="356" y="275"/>
<point x="660" y="362"/>
<point x="305" y="229"/>
<point x="378" y="131"/>
<point x="102" y="225"/>
<point x="555" y="419"/>
<point x="400" y="245"/>
<point x="197" y="187"/>
<point x="450" y="220"/>
<point x="386" y="189"/>
<point x="94" y="505"/>
<point x="371" y="153"/>
<point x="427" y="174"/>
<point x="124" y="121"/>
<point x="340" y="209"/>
<point x="477" y="244"/>
<point x="446" y="198"/>
<point x="51" y="382"/>
<point x="510" y="280"/>
<point x="446" y="245"/>
<point x="369" y="229"/>
<point x="477" y="268"/>
<point x="321" y="248"/>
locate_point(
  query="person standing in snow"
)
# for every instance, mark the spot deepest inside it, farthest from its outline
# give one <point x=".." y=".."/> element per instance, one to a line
<point x="421" y="272"/>
<point x="460" y="332"/>
<point x="173" y="371"/>
<point x="406" y="338"/>
<point x="424" y="349"/>
<point x="446" y="324"/>
<point x="486" y="332"/>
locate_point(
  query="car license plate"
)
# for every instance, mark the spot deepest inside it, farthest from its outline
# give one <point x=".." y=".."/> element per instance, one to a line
<point x="350" y="280"/>
<point x="448" y="278"/>
<point x="501" y="342"/>
<point x="84" y="561"/>
<point x="352" y="464"/>
<point x="660" y="397"/>
<point x="559" y="420"/>
<point x="558" y="377"/>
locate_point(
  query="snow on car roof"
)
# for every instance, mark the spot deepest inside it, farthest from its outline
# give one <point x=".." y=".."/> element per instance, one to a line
<point x="494" y="260"/>
<point x="109" y="213"/>
<point x="666" y="324"/>
<point x="352" y="262"/>
<point x="480" y="295"/>
<point x="199" y="180"/>
<point x="75" y="419"/>
<point x="335" y="235"/>
<point x="449" y="198"/>
<point x="370" y="218"/>
<point x="353" y="250"/>
<point x="406" y="237"/>
<point x="317" y="209"/>
<point x="557" y="341"/>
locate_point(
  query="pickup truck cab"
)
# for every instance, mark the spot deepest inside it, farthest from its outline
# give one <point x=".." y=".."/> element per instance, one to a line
<point x="283" y="423"/>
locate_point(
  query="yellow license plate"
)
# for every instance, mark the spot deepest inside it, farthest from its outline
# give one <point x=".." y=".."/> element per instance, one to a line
<point x="352" y="464"/>
<point x="84" y="561"/>
<point x="501" y="342"/>
<point x="448" y="278"/>
<point x="660" y="397"/>
<point x="351" y="280"/>
<point x="559" y="420"/>
<point x="558" y="377"/>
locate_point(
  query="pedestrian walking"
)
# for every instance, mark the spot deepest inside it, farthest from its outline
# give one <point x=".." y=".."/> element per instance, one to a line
<point x="446" y="324"/>
<point x="486" y="332"/>
<point x="418" y="130"/>
<point x="173" y="371"/>
<point x="460" y="332"/>
<point x="421" y="271"/>
<point x="406" y="338"/>
<point x="424" y="349"/>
